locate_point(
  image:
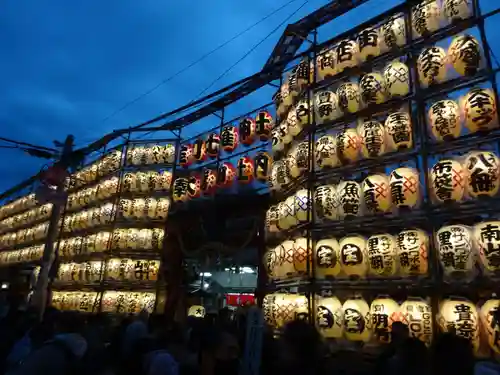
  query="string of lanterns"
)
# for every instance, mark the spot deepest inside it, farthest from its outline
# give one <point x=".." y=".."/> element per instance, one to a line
<point x="29" y="217"/>
<point x="18" y="205"/>
<point x="23" y="236"/>
<point x="105" y="166"/>
<point x="28" y="254"/>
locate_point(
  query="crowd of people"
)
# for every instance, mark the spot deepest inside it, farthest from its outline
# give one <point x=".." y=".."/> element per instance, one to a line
<point x="70" y="343"/>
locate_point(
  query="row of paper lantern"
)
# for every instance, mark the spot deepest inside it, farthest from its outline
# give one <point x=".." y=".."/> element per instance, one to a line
<point x="145" y="182"/>
<point x="247" y="170"/>
<point x="36" y="214"/>
<point x="119" y="239"/>
<point x="247" y="132"/>
<point x="103" y="167"/>
<point x="150" y="155"/>
<point x="18" y="205"/>
<point x="28" y="254"/>
<point x="115" y="269"/>
<point x="35" y="233"/>
<point x="104" y="190"/>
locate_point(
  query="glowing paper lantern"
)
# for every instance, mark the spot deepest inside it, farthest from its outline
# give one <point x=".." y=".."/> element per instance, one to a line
<point x="102" y="240"/>
<point x="245" y="168"/>
<point x="287" y="249"/>
<point x="460" y="317"/>
<point x="247" y="131"/>
<point x="162" y="208"/>
<point x="412" y="251"/>
<point x="397" y="79"/>
<point x="264" y="124"/>
<point x="456" y="10"/>
<point x="326" y="151"/>
<point x="129" y="182"/>
<point x="226" y="174"/>
<point x="447" y="181"/>
<point x="262" y="166"/>
<point x="369" y="44"/>
<point x="326" y="202"/>
<point x="134" y="155"/>
<point x="278" y="102"/>
<point x="431" y="66"/>
<point x="347" y="52"/>
<point x="298" y="78"/>
<point x="199" y="150"/>
<point x="487" y="238"/>
<point x="356" y="320"/>
<point x="372" y="87"/>
<point x="456" y="251"/>
<point x="269" y="262"/>
<point x="272" y="216"/>
<point x="326" y="105"/>
<point x="196" y="311"/>
<point x="209" y="181"/>
<point x="416" y="314"/>
<point x="327" y="258"/>
<point x="444" y="117"/>
<point x="426" y="18"/>
<point x="383" y="312"/>
<point x="194" y="186"/>
<point x="186" y="155"/>
<point x="302" y="204"/>
<point x="349" y="97"/>
<point x="280" y="175"/>
<point x="382" y="249"/>
<point x="399" y="131"/>
<point x="489" y="312"/>
<point x="483" y="174"/>
<point x="376" y="194"/>
<point x="405" y="187"/>
<point x="287" y="217"/>
<point x="480" y="110"/>
<point x="180" y="190"/>
<point x="168" y="153"/>
<point x="302" y="254"/>
<point x="277" y="143"/>
<point x="330" y="317"/>
<point x="349" y="198"/>
<point x="353" y="256"/>
<point x="303" y="117"/>
<point x="138" y="205"/>
<point x="142" y="182"/>
<point x="393" y="33"/>
<point x="465" y="55"/>
<point x="213" y="145"/>
<point x="372" y="137"/>
<point x="298" y="159"/>
<point x="326" y="62"/>
<point x="284" y="127"/>
<point x="268" y="305"/>
<point x="348" y="145"/>
<point x="229" y="138"/>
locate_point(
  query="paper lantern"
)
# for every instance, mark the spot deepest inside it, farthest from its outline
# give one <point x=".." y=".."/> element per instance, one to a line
<point x="372" y="87"/>
<point x="226" y="174"/>
<point x="196" y="311"/>
<point x="487" y="238"/>
<point x="405" y="187"/>
<point x="456" y="10"/>
<point x="431" y="66"/>
<point x="369" y="44"/>
<point x="480" y="110"/>
<point x="180" y="190"/>
<point x="134" y="155"/>
<point x="302" y="205"/>
<point x="348" y="145"/>
<point x="461" y="318"/>
<point x="277" y="143"/>
<point x="269" y="262"/>
<point x="444" y="117"/>
<point x="143" y="182"/>
<point x="280" y="175"/>
<point x="199" y="150"/>
<point x="372" y="137"/>
<point x="382" y="254"/>
<point x="287" y="250"/>
<point x="302" y="254"/>
<point x="245" y="170"/>
<point x="349" y="197"/>
<point x="326" y="202"/>
<point x="347" y="52"/>
<point x="399" y="131"/>
<point x="326" y="105"/>
<point x="129" y="182"/>
<point x="149" y="156"/>
<point x="489" y="312"/>
<point x="229" y="138"/>
<point x="268" y="304"/>
<point x="157" y="236"/>
<point x="168" y="153"/>
<point x="397" y="79"/>
<point x="456" y="251"/>
<point x="412" y="252"/>
<point x="162" y="208"/>
<point x="416" y="313"/>
<point x="186" y="155"/>
<point x="326" y="62"/>
<point x="247" y="131"/>
<point x="330" y="317"/>
<point x="278" y="103"/>
<point x="132" y="235"/>
<point x="138" y="206"/>
<point x="303" y="117"/>
<point x="353" y="256"/>
<point x="483" y="174"/>
<point x="447" y="181"/>
<point x="426" y="18"/>
<point x="464" y="54"/>
<point x="327" y="258"/>
<point x="286" y="96"/>
<point x="262" y="166"/>
<point x="212" y="145"/>
<point x="349" y="97"/>
<point x="272" y="216"/>
<point x="286" y="218"/>
<point x="288" y="307"/>
<point x="298" y="159"/>
<point x="163" y="181"/>
<point x="356" y="320"/>
<point x="383" y="312"/>
<point x="102" y="240"/>
<point x="376" y="194"/>
<point x="326" y="151"/>
<point x="393" y="33"/>
<point x="194" y="186"/>
<point x="284" y="128"/>
<point x="209" y="181"/>
<point x="264" y="124"/>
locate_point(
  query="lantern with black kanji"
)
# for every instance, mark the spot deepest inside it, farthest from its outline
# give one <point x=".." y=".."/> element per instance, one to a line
<point x="330" y="317"/>
<point x="405" y="187"/>
<point x="447" y="180"/>
<point x="245" y="170"/>
<point x="199" y="150"/>
<point x="399" y="132"/>
<point x="269" y="262"/>
<point x="426" y="18"/>
<point x="226" y="174"/>
<point x="490" y="313"/>
<point x="286" y="97"/>
<point x="280" y="175"/>
<point x="209" y="181"/>
<point x="348" y="145"/>
<point x="327" y="258"/>
<point x="369" y="44"/>
<point x="299" y="77"/>
<point x="262" y="166"/>
<point x="293" y="126"/>
<point x="382" y="253"/>
<point x="456" y="251"/>
<point x="397" y="79"/>
<point x="480" y="110"/>
<point x="298" y="159"/>
<point x="347" y="54"/>
<point x="194" y="186"/>
<point x="349" y="198"/>
<point x="278" y="103"/>
<point x="460" y="317"/>
<point x="326" y="151"/>
<point x="326" y="105"/>
<point x="247" y="131"/>
<point x="372" y="137"/>
<point x="444" y="118"/>
<point x="393" y="33"/>
<point x="383" y="312"/>
<point x="302" y="205"/>
<point x="212" y="145"/>
<point x="326" y="202"/>
<point x="229" y="138"/>
<point x="264" y="123"/>
<point x="483" y="174"/>
<point x="416" y="313"/>
<point x="357" y="324"/>
<point x="180" y="190"/>
<point x="186" y="155"/>
<point x="272" y="216"/>
<point x="277" y="143"/>
<point x="373" y="90"/>
<point x="353" y="257"/>
<point x="376" y="194"/>
<point x="487" y="238"/>
<point x="326" y="62"/>
<point x="431" y="66"/>
<point x="456" y="10"/>
<point x="465" y="55"/>
<point x="302" y="111"/>
<point x="349" y="97"/>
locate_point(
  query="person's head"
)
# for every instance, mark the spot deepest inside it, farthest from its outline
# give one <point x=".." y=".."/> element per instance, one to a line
<point x="220" y="351"/>
<point x="453" y="355"/>
<point x="399" y="333"/>
<point x="300" y="341"/>
<point x="143" y="316"/>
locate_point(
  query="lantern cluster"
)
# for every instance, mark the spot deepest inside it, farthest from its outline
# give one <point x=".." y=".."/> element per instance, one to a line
<point x="128" y="302"/>
<point x="147" y="155"/>
<point x="29" y="217"/>
<point x="146" y="182"/>
<point x="144" y="208"/>
<point x="87" y="272"/>
<point x="27" y="254"/>
<point x="84" y="302"/>
<point x="290" y="212"/>
<point x="23" y="236"/>
<point x="18" y="205"/>
<point x="102" y="191"/>
<point x="103" y="167"/>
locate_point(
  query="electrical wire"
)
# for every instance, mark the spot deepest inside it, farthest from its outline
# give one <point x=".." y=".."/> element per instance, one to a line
<point x="175" y="75"/>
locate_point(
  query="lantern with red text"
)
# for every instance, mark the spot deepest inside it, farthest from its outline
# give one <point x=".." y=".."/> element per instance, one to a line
<point x="383" y="312"/>
<point x="186" y="155"/>
<point x="180" y="190"/>
<point x="245" y="170"/>
<point x="226" y="174"/>
<point x="199" y="150"/>
<point x="405" y="188"/>
<point x="229" y="138"/>
<point x="262" y="166"/>
<point x="460" y="317"/>
<point x="376" y="194"/>
<point x="447" y="181"/>
<point x="356" y="320"/>
<point x="348" y="145"/>
<point x="212" y="145"/>
<point x="209" y="181"/>
<point x="412" y="249"/>
<point x="416" y="314"/>
<point x="194" y="186"/>
<point x="264" y="123"/>
<point x="483" y="174"/>
<point x="247" y="131"/>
